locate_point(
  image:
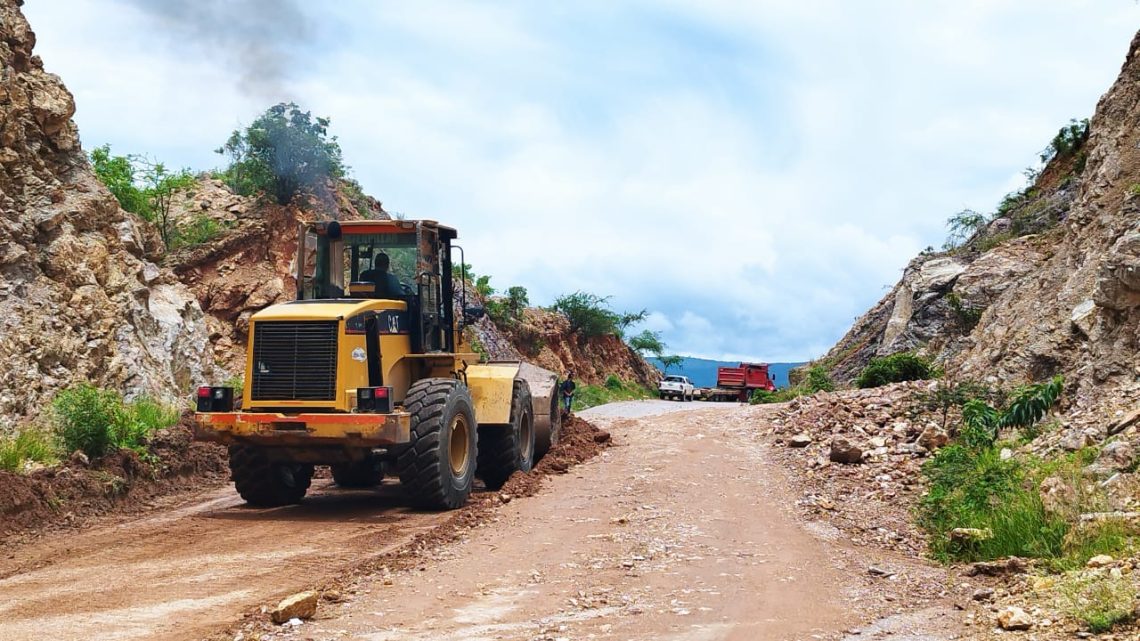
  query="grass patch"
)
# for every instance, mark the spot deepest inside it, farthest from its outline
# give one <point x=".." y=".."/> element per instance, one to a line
<point x="974" y="488"/>
<point x="96" y="421"/>
<point x="1100" y="600"/>
<point x="614" y="389"/>
<point x="817" y="379"/>
<point x="896" y="368"/>
<point x="27" y="445"/>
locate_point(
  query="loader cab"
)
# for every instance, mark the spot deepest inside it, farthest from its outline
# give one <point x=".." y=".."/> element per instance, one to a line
<point x="339" y="260"/>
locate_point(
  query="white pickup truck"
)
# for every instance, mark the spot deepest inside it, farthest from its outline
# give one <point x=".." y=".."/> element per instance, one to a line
<point x="678" y="387"/>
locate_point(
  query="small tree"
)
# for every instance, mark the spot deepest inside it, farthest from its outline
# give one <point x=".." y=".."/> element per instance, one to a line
<point x="962" y="226"/>
<point x="161" y="185"/>
<point x="142" y="186"/>
<point x="671" y="361"/>
<point x="648" y="342"/>
<point x="589" y="315"/>
<point x="517" y="300"/>
<point x="284" y="152"/>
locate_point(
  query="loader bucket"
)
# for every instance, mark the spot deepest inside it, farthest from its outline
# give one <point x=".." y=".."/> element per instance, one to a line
<point x="544" y="394"/>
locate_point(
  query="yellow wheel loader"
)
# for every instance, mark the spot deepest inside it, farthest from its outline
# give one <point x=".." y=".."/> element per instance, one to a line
<point x="367" y="372"/>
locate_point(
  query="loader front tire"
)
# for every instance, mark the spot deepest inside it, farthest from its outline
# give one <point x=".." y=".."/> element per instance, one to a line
<point x="437" y="468"/>
<point x="265" y="483"/>
<point x="505" y="449"/>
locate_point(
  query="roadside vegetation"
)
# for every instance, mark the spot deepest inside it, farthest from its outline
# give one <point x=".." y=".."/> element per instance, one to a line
<point x="146" y="188"/>
<point x="86" y="419"/>
<point x="614" y="389"/>
<point x="896" y="368"/>
<point x="816" y="380"/>
<point x="1023" y="211"/>
<point x="984" y="502"/>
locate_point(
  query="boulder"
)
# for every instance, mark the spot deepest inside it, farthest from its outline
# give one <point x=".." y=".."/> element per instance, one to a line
<point x="799" y="440"/>
<point x="1084" y="317"/>
<point x="936" y="274"/>
<point x="1074" y="440"/>
<point x="1117" y="455"/>
<point x="933" y="438"/>
<point x="1124" y="422"/>
<point x="1100" y="561"/>
<point x="1118" y="280"/>
<point x="1014" y="618"/>
<point x="843" y="451"/>
<point x="302" y="605"/>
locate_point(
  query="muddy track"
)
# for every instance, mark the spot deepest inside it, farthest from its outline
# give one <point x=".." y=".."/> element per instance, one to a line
<point x="195" y="565"/>
<point x="179" y="573"/>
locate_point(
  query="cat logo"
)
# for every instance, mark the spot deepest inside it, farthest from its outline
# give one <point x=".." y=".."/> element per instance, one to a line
<point x="262" y="368"/>
<point x="393" y="323"/>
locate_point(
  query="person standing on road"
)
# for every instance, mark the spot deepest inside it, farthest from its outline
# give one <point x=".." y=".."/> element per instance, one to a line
<point x="567" y="389"/>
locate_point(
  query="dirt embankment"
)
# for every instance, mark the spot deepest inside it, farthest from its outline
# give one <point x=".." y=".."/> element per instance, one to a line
<point x="71" y="494"/>
<point x="544" y="338"/>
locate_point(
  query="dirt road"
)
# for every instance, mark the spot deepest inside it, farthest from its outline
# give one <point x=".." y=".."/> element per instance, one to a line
<point x="192" y="567"/>
<point x="682" y="530"/>
<point x="677" y="532"/>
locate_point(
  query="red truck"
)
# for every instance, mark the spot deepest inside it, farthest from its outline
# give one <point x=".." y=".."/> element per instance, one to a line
<point x="738" y="383"/>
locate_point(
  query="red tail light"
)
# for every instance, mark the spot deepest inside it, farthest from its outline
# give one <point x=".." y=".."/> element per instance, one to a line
<point x="203" y="392"/>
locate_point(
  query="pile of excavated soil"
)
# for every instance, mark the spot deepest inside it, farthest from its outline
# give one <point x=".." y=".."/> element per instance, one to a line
<point x="120" y="482"/>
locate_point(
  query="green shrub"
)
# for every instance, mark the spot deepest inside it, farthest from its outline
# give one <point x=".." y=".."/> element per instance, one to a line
<point x="613" y="383"/>
<point x="118" y="174"/>
<point x="200" y="229"/>
<point x="587" y="396"/>
<point x="967" y="316"/>
<point x="85" y="418"/>
<point x="1115" y="538"/>
<point x="1028" y="404"/>
<point x="1068" y="141"/>
<point x="284" y="152"/>
<point x="962" y="227"/>
<point x="589" y="315"/>
<point x="1134" y="189"/>
<point x="237" y="382"/>
<point x="896" y="368"/>
<point x="819" y="380"/>
<point x="1100" y="601"/>
<point x="28" y="444"/>
<point x="141" y="418"/>
<point x="975" y="488"/>
<point x="97" y="421"/>
<point x="947" y="395"/>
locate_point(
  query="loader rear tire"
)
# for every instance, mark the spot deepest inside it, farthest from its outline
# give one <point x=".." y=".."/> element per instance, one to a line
<point x="505" y="449"/>
<point x="366" y="473"/>
<point x="437" y="468"/>
<point x="546" y="433"/>
<point x="265" y="483"/>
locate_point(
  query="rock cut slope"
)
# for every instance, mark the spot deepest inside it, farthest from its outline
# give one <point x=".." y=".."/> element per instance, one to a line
<point x="81" y="298"/>
<point x="1063" y="300"/>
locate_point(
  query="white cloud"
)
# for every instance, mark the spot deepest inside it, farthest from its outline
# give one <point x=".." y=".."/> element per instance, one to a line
<point x="753" y="173"/>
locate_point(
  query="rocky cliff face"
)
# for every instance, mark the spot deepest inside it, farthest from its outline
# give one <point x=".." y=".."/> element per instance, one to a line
<point x="1066" y="300"/>
<point x="80" y="298"/>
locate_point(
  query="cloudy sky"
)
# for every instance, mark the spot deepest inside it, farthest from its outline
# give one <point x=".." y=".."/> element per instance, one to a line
<point x="755" y="174"/>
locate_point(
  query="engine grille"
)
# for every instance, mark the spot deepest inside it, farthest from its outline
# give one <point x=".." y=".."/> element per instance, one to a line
<point x="294" y="361"/>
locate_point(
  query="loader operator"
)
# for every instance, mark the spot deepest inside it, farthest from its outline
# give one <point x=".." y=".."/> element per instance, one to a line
<point x="387" y="285"/>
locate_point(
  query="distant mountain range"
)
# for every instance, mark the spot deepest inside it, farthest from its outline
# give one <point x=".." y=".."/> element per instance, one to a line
<point x="702" y="371"/>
